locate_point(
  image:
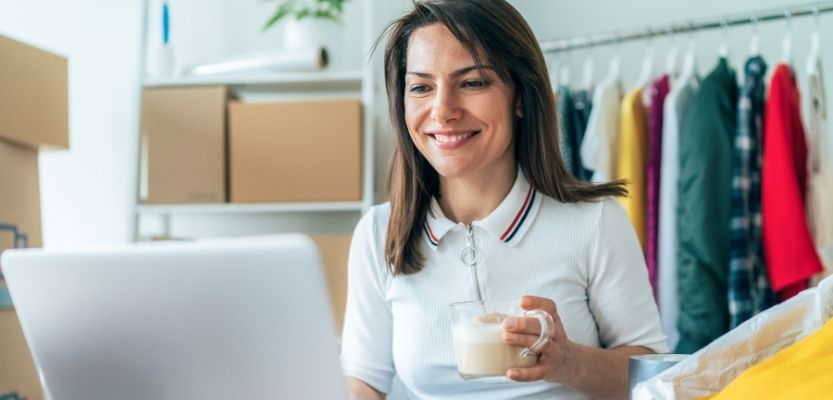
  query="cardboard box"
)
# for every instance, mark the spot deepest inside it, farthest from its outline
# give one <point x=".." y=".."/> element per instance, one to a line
<point x="20" y="219"/>
<point x="20" y="209"/>
<point x="334" y="249"/>
<point x="295" y="151"/>
<point x="184" y="145"/>
<point x="33" y="96"/>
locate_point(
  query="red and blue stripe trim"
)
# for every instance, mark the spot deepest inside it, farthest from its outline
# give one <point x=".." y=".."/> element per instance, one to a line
<point x="520" y="217"/>
<point x="431" y="237"/>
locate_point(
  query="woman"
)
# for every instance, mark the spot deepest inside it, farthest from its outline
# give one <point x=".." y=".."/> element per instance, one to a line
<point x="477" y="162"/>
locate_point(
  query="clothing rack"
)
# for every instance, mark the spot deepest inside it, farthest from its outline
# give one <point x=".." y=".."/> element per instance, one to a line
<point x="754" y="17"/>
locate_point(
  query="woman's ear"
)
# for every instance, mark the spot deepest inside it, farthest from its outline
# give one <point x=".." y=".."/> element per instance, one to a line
<point x="518" y="110"/>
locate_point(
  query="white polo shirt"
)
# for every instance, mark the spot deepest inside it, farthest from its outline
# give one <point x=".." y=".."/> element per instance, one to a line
<point x="584" y="256"/>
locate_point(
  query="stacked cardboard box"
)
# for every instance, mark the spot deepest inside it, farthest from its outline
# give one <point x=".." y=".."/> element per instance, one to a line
<point x="33" y="116"/>
<point x="295" y="151"/>
<point x="184" y="145"/>
<point x="334" y="249"/>
<point x="202" y="146"/>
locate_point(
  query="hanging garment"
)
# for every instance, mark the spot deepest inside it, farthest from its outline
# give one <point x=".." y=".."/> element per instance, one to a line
<point x="703" y="209"/>
<point x="820" y="182"/>
<point x="789" y="252"/>
<point x="564" y="102"/>
<point x="800" y="371"/>
<point x="676" y="107"/>
<point x="749" y="289"/>
<point x="600" y="146"/>
<point x="582" y="107"/>
<point x="632" y="158"/>
<point x="658" y="92"/>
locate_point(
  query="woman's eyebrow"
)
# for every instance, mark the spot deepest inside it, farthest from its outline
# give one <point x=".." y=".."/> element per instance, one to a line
<point x="455" y="74"/>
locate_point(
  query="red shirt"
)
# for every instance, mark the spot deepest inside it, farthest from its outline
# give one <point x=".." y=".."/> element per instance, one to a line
<point x="789" y="253"/>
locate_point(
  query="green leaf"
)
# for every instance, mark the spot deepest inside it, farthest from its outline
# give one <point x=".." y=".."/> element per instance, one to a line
<point x="282" y="11"/>
<point x="336" y="4"/>
<point x="332" y="10"/>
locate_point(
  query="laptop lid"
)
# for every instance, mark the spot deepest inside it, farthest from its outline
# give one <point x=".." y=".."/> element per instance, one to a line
<point x="221" y="319"/>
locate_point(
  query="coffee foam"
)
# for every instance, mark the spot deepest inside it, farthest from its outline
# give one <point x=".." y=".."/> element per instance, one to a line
<point x="477" y="331"/>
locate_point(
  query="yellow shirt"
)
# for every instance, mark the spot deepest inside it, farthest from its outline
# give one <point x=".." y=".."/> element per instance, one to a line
<point x="633" y="159"/>
<point x="801" y="371"/>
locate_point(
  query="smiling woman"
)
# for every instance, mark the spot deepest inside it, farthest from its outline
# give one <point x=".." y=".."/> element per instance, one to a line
<point x="482" y="208"/>
<point x="459" y="116"/>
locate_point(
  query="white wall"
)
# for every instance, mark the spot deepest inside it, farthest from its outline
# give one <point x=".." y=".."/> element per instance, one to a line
<point x="86" y="191"/>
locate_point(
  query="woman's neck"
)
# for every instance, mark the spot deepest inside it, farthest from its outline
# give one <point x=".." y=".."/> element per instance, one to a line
<point x="471" y="198"/>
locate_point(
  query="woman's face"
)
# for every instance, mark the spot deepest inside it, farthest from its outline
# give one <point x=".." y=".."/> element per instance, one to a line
<point x="460" y="121"/>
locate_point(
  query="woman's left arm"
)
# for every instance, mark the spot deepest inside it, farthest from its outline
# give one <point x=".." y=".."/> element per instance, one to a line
<point x="599" y="373"/>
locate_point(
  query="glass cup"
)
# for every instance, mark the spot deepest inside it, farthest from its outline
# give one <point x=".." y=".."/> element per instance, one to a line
<point x="481" y="353"/>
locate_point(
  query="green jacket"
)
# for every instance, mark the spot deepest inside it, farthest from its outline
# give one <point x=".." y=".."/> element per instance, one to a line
<point x="703" y="210"/>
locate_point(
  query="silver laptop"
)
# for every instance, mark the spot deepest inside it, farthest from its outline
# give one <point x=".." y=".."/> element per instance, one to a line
<point x="221" y="319"/>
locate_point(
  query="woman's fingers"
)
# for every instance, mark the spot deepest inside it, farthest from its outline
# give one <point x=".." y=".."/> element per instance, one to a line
<point x="522" y="325"/>
<point x="531" y="374"/>
<point x="539" y="303"/>
<point x="519" y="339"/>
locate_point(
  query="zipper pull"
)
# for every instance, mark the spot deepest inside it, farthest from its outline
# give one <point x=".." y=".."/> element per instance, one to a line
<point x="469" y="254"/>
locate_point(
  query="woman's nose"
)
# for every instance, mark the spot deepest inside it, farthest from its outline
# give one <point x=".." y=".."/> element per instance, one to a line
<point x="445" y="106"/>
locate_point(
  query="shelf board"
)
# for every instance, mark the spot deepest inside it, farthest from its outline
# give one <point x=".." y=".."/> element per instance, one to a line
<point x="228" y="208"/>
<point x="322" y="78"/>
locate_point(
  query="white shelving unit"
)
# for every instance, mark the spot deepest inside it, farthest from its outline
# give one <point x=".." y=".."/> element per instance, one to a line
<point x="321" y="80"/>
<point x="232" y="208"/>
<point x="291" y="85"/>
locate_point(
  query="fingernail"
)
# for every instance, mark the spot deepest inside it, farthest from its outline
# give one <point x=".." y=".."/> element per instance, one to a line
<point x="509" y="323"/>
<point x="512" y="374"/>
<point x="509" y="337"/>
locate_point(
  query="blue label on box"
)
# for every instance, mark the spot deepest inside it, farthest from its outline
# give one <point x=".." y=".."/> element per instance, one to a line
<point x="5" y="299"/>
<point x="19" y="241"/>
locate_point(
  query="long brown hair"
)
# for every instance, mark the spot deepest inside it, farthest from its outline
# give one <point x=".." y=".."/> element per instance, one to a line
<point x="507" y="42"/>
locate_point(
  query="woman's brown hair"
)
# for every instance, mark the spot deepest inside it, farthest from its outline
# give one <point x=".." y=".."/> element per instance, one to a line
<point x="495" y="30"/>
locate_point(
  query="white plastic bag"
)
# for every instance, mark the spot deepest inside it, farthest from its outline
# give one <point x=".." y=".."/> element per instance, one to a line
<point x="709" y="370"/>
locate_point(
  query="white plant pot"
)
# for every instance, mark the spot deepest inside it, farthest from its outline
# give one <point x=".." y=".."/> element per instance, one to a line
<point x="311" y="32"/>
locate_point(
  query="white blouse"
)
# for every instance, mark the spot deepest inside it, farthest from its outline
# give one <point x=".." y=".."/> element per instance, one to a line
<point x="584" y="256"/>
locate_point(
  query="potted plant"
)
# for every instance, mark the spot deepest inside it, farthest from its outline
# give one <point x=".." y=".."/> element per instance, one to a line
<point x="310" y="23"/>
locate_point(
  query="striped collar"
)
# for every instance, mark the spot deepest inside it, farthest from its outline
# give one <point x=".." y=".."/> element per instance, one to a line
<point x="509" y="222"/>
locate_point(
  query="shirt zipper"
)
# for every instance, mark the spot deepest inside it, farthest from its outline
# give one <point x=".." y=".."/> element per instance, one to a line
<point x="469" y="255"/>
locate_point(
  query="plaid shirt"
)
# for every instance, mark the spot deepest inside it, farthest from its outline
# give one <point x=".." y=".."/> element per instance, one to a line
<point x="749" y="289"/>
<point x="564" y="115"/>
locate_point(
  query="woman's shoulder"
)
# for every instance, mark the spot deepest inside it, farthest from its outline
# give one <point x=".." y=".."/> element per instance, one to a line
<point x="597" y="210"/>
<point x="374" y="221"/>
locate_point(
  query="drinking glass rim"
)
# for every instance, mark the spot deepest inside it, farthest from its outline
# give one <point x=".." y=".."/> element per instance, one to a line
<point x="481" y="303"/>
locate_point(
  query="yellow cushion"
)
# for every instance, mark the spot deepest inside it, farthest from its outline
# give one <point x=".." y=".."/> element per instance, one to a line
<point x="801" y="371"/>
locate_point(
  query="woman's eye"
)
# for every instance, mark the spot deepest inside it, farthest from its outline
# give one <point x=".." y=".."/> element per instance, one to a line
<point x="418" y="89"/>
<point x="475" y="83"/>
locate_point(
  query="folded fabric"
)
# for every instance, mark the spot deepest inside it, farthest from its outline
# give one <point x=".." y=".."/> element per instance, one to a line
<point x="800" y="371"/>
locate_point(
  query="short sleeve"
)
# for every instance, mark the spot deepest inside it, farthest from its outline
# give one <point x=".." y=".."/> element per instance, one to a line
<point x="366" y="351"/>
<point x="620" y="296"/>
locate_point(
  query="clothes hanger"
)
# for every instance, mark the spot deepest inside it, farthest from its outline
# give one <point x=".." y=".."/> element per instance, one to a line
<point x="754" y="43"/>
<point x="614" y="72"/>
<point x="690" y="59"/>
<point x="787" y="42"/>
<point x="671" y="56"/>
<point x="647" y="64"/>
<point x="723" y="50"/>
<point x="564" y="71"/>
<point x="813" y="58"/>
<point x="587" y="71"/>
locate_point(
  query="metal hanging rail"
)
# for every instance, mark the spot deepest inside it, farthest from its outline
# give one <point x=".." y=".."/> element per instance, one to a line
<point x="754" y="17"/>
